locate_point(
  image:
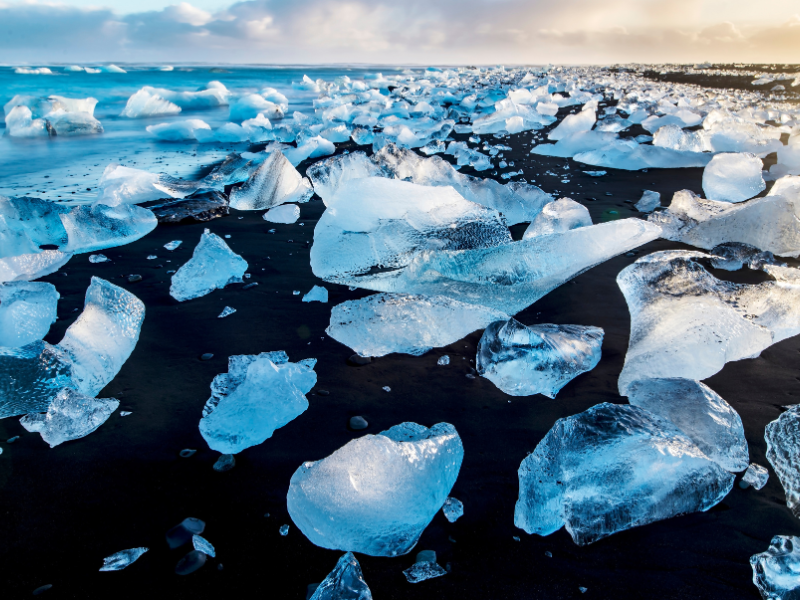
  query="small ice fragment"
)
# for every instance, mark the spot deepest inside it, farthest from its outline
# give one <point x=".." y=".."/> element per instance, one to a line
<point x="125" y="413"/>
<point x="756" y="476"/>
<point x="733" y="177"/>
<point x="227" y="311"/>
<point x="70" y="416"/>
<point x="595" y="173"/>
<point x="648" y="202"/>
<point x="386" y="388"/>
<point x="201" y="544"/>
<point x="97" y="258"/>
<point x="422" y="571"/>
<point x="187" y="452"/>
<point x="583" y="590"/>
<point x="558" y="217"/>
<point x="285" y="213"/>
<point x="776" y="572"/>
<point x="345" y="582"/>
<point x="173" y="245"/>
<point x="295" y="292"/>
<point x="183" y="531"/>
<point x="123" y="558"/>
<point x="318" y="293"/>
<point x="152" y="257"/>
<point x="443" y="360"/>
<point x="284" y="530"/>
<point x="225" y="463"/>
<point x="213" y="266"/>
<point x="453" y="509"/>
<point x="227" y="236"/>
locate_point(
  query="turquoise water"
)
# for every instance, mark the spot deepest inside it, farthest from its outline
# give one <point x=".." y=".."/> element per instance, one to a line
<point x="62" y="168"/>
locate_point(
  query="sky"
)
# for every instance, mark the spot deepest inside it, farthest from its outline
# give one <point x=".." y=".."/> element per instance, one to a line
<point x="426" y="32"/>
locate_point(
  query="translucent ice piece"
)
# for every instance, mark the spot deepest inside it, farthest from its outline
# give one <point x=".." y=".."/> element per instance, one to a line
<point x="26" y="312"/>
<point x="540" y="359"/>
<point x="776" y="572"/>
<point x="377" y="493"/>
<point x="327" y="175"/>
<point x="700" y="413"/>
<point x="582" y="121"/>
<point x="423" y="570"/>
<point x="611" y="468"/>
<point x="203" y="545"/>
<point x="173" y="245"/>
<point x="732" y="256"/>
<point x="731" y="177"/>
<point x="286" y="213"/>
<point x="557" y="217"/>
<point x="275" y="182"/>
<point x="70" y="416"/>
<point x="179" y="131"/>
<point x="25" y="267"/>
<point x="123" y="558"/>
<point x="345" y="582"/>
<point x="145" y="103"/>
<point x="316" y="294"/>
<point x="384" y="323"/>
<point x="226" y="312"/>
<point x="92" y="228"/>
<point x="126" y="185"/>
<point x="756" y="476"/>
<point x="648" y="202"/>
<point x="453" y="509"/>
<point x="213" y="266"/>
<point x="783" y="440"/>
<point x="259" y="394"/>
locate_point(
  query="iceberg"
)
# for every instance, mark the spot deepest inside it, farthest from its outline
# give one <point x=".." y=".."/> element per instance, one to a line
<point x="376" y="494"/>
<point x="611" y="468"/>
<point x="275" y="182"/>
<point x="70" y="416"/>
<point x="776" y="572"/>
<point x="27" y="309"/>
<point x="345" y="582"/>
<point x="783" y="440"/>
<point x="733" y="177"/>
<point x="557" y="217"/>
<point x="125" y="185"/>
<point x="123" y="558"/>
<point x="538" y="359"/>
<point x="214" y="94"/>
<point x="213" y="266"/>
<point x="631" y="156"/>
<point x="384" y="323"/>
<point x="259" y="394"/>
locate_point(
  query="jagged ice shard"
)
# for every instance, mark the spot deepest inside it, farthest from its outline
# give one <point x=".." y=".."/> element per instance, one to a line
<point x="70" y="416"/>
<point x="538" y="359"/>
<point x="776" y="572"/>
<point x="783" y="441"/>
<point x="213" y="266"/>
<point x="275" y="182"/>
<point x="259" y="394"/>
<point x="377" y="493"/>
<point x="699" y="412"/>
<point x="687" y="323"/>
<point x="27" y="309"/>
<point x="384" y="323"/>
<point x="92" y="352"/>
<point x="611" y="468"/>
<point x="345" y="582"/>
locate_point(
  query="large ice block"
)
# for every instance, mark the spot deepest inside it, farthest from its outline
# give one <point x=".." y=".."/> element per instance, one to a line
<point x="376" y="494"/>
<point x="32" y="266"/>
<point x="557" y="217"/>
<point x="733" y="177"/>
<point x="213" y="266"/>
<point x="70" y="416"/>
<point x="345" y="582"/>
<point x="92" y="228"/>
<point x="259" y="394"/>
<point x="611" y="468"/>
<point x="538" y="359"/>
<point x="275" y="182"/>
<point x="126" y="185"/>
<point x="384" y="323"/>
<point x="581" y="121"/>
<point x="327" y="175"/>
<point x="776" y="572"/>
<point x="27" y="309"/>
<point x="783" y="442"/>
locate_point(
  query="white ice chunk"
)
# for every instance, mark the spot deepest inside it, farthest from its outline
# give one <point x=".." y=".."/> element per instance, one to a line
<point x="648" y="202"/>
<point x="345" y="582"/>
<point x="178" y="131"/>
<point x="756" y="476"/>
<point x="423" y="570"/>
<point x="123" y="558"/>
<point x="377" y="493"/>
<point x="214" y="94"/>
<point x="252" y="105"/>
<point x="582" y="121"/>
<point x="275" y="182"/>
<point x="316" y="294"/>
<point x="125" y="185"/>
<point x="70" y="416"/>
<point x="173" y="245"/>
<point x="733" y="177"/>
<point x="285" y="213"/>
<point x="27" y="309"/>
<point x="453" y="509"/>
<point x="783" y="440"/>
<point x="25" y="267"/>
<point x="213" y="266"/>
<point x="776" y="572"/>
<point x="145" y="103"/>
<point x="557" y="217"/>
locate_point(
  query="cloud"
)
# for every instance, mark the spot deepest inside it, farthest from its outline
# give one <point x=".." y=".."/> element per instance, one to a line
<point x="388" y="31"/>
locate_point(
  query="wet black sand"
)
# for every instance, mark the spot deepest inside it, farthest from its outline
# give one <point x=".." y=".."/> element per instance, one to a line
<point x="66" y="508"/>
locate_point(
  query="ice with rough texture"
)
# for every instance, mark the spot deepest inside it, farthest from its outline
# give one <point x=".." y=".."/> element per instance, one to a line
<point x="384" y="323"/>
<point x="317" y="294"/>
<point x="756" y="476"/>
<point x="539" y="359"/>
<point x="423" y="570"/>
<point x="275" y="182"/>
<point x="700" y="413"/>
<point x="285" y="213"/>
<point x="557" y="217"/>
<point x="776" y="572"/>
<point x="733" y="177"/>
<point x="213" y="266"/>
<point x="783" y="440"/>
<point x="123" y="558"/>
<point x="226" y="312"/>
<point x="649" y="201"/>
<point x="259" y="394"/>
<point x="732" y="256"/>
<point x="27" y="309"/>
<point x="453" y="509"/>
<point x="145" y="103"/>
<point x="201" y="544"/>
<point x="686" y="323"/>
<point x="377" y="493"/>
<point x="70" y="416"/>
<point x="329" y="174"/>
<point x="345" y="582"/>
<point x="611" y="468"/>
<point x="25" y="267"/>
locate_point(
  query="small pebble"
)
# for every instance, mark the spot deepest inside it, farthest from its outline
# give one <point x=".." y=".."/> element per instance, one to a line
<point x="206" y="356"/>
<point x="323" y="392"/>
<point x="219" y="567"/>
<point x="470" y="376"/>
<point x="190" y="563"/>
<point x="358" y="360"/>
<point x="42" y="589"/>
<point x="11" y="440"/>
<point x="187" y="452"/>
<point x="284" y="530"/>
<point x="134" y="278"/>
<point x="225" y="463"/>
<point x="171" y="272"/>
<point x="358" y="423"/>
<point x="250" y="286"/>
<point x="743" y="484"/>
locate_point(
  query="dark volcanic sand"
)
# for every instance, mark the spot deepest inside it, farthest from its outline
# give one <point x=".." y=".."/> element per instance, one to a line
<point x="125" y="485"/>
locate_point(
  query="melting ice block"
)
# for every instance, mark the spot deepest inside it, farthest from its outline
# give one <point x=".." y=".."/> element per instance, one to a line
<point x="259" y="394"/>
<point x="92" y="352"/>
<point x="648" y="202"/>
<point x="123" y="558"/>
<point x="384" y="323"/>
<point x="557" y="217"/>
<point x="629" y="155"/>
<point x="179" y="131"/>
<point x="699" y="412"/>
<point x="769" y="223"/>
<point x="733" y="177"/>
<point x="776" y="572"/>
<point x="345" y="582"/>
<point x="540" y="359"/>
<point x="70" y="416"/>
<point x="125" y="185"/>
<point x="286" y="213"/>
<point x="25" y="267"/>
<point x="686" y="323"/>
<point x="213" y="266"/>
<point x="146" y="103"/>
<point x="783" y="440"/>
<point x="582" y="121"/>
<point x="275" y="182"/>
<point x="92" y="228"/>
<point x="26" y="312"/>
<point x="611" y="468"/>
<point x="377" y="493"/>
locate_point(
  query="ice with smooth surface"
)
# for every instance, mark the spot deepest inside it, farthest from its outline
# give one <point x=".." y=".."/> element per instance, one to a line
<point x="173" y="245"/>
<point x="27" y="309"/>
<point x="538" y="359"/>
<point x="285" y="213"/>
<point x="611" y="468"/>
<point x="345" y="582"/>
<point x="783" y="441"/>
<point x="213" y="266"/>
<point x="259" y="394"/>
<point x="126" y="185"/>
<point x="123" y="558"/>
<point x="756" y="476"/>
<point x="376" y="494"/>
<point x="25" y="267"/>
<point x="557" y="217"/>
<point x="686" y="323"/>
<point x="317" y="294"/>
<point x="145" y="103"/>
<point x="581" y="121"/>
<point x="649" y="201"/>
<point x="275" y="182"/>
<point x="699" y="412"/>
<point x="70" y="416"/>
<point x="733" y="177"/>
<point x="179" y="131"/>
<point x="384" y="323"/>
<point x="453" y="509"/>
<point x="776" y="572"/>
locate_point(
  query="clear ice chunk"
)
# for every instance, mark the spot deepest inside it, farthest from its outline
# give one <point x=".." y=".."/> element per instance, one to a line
<point x="70" y="416"/>
<point x="540" y="359"/>
<point x="783" y="440"/>
<point x="259" y="394"/>
<point x="453" y="509"/>
<point x="27" y="309"/>
<point x="423" y="570"/>
<point x="328" y="175"/>
<point x="275" y="182"/>
<point x="345" y="582"/>
<point x="733" y="177"/>
<point x="123" y="558"/>
<point x="756" y="476"/>
<point x="201" y="544"/>
<point x="557" y="217"/>
<point x="384" y="323"/>
<point x="285" y="213"/>
<point x="443" y="360"/>
<point x="171" y="246"/>
<point x="25" y="267"/>
<point x="700" y="413"/>
<point x="126" y="185"/>
<point x="649" y="201"/>
<point x="376" y="494"/>
<point x="776" y="572"/>
<point x="213" y="266"/>
<point x="226" y="312"/>
<point x="145" y="103"/>
<point x="317" y="294"/>
<point x="611" y="468"/>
